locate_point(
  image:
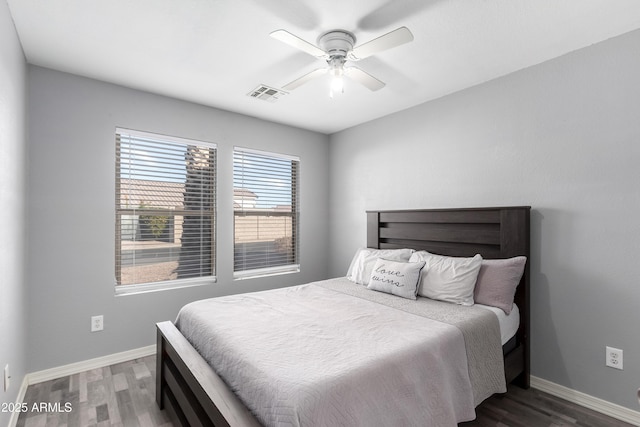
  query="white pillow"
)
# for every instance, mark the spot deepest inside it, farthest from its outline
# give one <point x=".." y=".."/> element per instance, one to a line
<point x="396" y="278"/>
<point x="449" y="279"/>
<point x="364" y="259"/>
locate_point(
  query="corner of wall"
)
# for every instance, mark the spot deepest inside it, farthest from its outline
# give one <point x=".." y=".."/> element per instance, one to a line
<point x="13" y="99"/>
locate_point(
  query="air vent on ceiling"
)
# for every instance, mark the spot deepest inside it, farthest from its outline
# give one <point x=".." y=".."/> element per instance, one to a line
<point x="266" y="93"/>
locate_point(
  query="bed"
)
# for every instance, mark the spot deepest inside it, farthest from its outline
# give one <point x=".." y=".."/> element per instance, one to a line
<point x="194" y="394"/>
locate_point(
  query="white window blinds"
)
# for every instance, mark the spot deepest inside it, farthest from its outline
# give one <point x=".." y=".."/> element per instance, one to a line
<point x="266" y="212"/>
<point x="165" y="209"/>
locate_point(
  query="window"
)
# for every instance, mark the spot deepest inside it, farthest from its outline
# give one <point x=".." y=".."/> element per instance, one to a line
<point x="165" y="211"/>
<point x="266" y="213"/>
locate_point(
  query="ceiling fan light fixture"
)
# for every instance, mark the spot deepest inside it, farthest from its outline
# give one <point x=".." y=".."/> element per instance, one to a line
<point x="337" y="86"/>
<point x="336" y="72"/>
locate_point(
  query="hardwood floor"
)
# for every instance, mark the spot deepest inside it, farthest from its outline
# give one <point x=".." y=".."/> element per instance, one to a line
<point x="534" y="408"/>
<point x="117" y="395"/>
<point x="124" y="395"/>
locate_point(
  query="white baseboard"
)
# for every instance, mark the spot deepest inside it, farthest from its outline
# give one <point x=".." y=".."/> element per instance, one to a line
<point x="87" y="365"/>
<point x="607" y="408"/>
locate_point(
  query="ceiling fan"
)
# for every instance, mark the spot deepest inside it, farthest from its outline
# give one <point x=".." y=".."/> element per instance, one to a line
<point x="337" y="47"/>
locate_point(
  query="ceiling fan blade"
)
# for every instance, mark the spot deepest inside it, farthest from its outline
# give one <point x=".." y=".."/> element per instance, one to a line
<point x="302" y="80"/>
<point x="364" y="78"/>
<point x="295" y="41"/>
<point x="394" y="38"/>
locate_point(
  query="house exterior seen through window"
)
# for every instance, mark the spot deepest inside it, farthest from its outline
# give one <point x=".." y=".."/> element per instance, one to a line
<point x="165" y="211"/>
<point x="266" y="213"/>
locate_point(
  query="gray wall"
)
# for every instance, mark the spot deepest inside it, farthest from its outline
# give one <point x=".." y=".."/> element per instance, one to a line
<point x="13" y="95"/>
<point x="563" y="137"/>
<point x="70" y="261"/>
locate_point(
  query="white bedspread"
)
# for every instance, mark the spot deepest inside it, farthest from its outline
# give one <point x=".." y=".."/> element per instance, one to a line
<point x="311" y="356"/>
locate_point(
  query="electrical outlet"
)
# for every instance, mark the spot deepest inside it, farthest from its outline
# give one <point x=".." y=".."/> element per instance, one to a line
<point x="614" y="358"/>
<point x="7" y="377"/>
<point x="97" y="323"/>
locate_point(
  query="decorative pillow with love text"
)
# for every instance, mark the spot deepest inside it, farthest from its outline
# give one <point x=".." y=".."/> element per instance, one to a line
<point x="396" y="278"/>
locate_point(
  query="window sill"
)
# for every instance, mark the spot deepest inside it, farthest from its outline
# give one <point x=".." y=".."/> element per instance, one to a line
<point x="266" y="272"/>
<point x="122" y="290"/>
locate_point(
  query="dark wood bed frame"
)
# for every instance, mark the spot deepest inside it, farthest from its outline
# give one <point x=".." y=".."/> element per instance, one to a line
<point x="194" y="395"/>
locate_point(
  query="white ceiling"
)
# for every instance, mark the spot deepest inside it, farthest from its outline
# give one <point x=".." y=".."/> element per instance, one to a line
<point x="214" y="52"/>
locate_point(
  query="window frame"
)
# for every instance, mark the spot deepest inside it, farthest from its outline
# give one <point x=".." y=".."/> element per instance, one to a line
<point x="294" y="215"/>
<point x="136" y="288"/>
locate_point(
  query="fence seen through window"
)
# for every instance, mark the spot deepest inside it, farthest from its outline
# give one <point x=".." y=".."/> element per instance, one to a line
<point x="266" y="212"/>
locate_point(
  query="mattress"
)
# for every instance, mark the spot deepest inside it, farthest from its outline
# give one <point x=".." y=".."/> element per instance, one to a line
<point x="509" y="323"/>
<point x="334" y="353"/>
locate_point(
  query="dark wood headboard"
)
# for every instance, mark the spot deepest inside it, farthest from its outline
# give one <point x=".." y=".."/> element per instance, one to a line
<point x="501" y="232"/>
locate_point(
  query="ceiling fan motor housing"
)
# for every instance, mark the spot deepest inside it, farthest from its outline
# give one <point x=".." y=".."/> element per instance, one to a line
<point x="337" y="43"/>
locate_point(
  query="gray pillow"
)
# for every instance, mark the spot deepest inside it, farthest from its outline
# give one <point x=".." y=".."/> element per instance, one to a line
<point x="498" y="280"/>
<point x="396" y="278"/>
